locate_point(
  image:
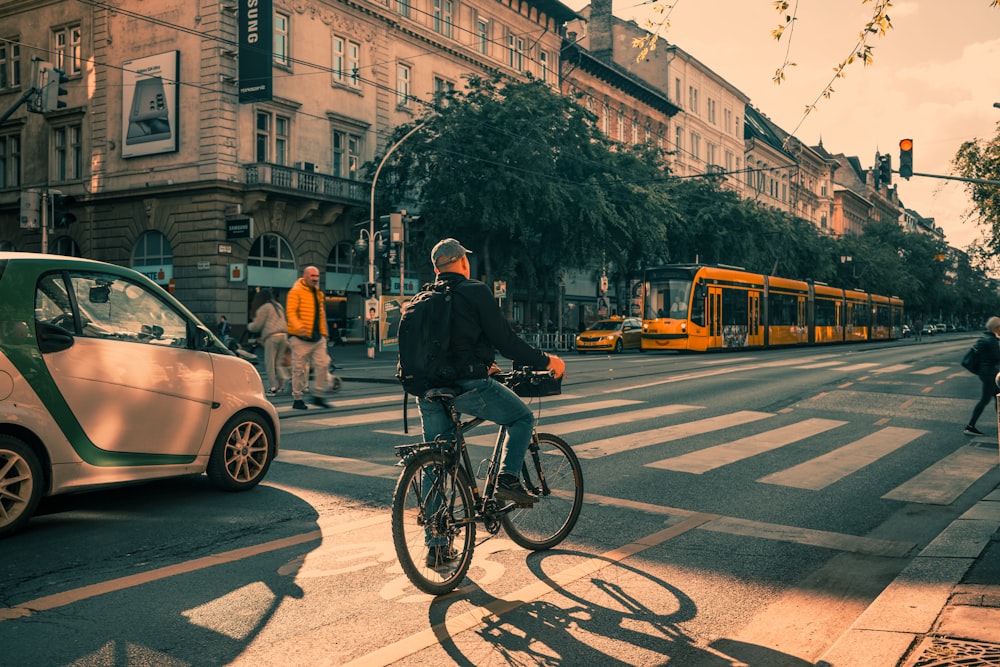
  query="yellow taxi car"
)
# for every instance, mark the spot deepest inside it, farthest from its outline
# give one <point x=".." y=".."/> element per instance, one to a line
<point x="611" y="335"/>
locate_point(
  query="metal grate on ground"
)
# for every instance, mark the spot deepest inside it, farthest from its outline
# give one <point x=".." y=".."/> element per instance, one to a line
<point x="945" y="652"/>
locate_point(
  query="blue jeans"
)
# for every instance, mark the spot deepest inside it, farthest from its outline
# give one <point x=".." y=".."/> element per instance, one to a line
<point x="492" y="401"/>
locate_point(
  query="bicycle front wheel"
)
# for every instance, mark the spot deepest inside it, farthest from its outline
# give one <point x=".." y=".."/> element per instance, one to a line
<point x="433" y="523"/>
<point x="552" y="472"/>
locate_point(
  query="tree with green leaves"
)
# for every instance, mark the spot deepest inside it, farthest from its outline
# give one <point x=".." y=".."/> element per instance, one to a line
<point x="980" y="159"/>
<point x="521" y="173"/>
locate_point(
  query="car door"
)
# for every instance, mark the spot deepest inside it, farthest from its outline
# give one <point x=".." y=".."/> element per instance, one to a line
<point x="128" y="377"/>
<point x="631" y="333"/>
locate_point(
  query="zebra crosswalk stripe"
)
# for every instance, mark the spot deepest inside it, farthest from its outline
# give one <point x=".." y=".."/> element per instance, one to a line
<point x="711" y="458"/>
<point x="598" y="448"/>
<point x="822" y="471"/>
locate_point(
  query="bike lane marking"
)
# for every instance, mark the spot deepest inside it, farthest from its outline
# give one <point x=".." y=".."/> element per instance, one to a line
<point x="504" y="605"/>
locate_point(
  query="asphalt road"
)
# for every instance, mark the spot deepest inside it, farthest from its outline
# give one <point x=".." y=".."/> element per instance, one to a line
<point x="741" y="509"/>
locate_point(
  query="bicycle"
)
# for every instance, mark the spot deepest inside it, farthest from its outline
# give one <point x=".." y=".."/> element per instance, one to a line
<point x="437" y="502"/>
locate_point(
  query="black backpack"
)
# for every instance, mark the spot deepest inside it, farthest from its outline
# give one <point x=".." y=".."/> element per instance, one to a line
<point x="424" y="340"/>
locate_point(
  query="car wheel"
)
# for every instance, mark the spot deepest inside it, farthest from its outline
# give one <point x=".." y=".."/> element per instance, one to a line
<point x="619" y="346"/>
<point x="21" y="483"/>
<point x="242" y="453"/>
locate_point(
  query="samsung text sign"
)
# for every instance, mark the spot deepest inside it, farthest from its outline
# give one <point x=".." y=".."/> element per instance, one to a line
<point x="256" y="39"/>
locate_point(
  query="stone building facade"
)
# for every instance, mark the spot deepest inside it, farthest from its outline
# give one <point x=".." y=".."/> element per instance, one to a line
<point x="165" y="169"/>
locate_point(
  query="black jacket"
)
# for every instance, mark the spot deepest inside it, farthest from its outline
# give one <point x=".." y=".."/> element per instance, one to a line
<point x="989" y="355"/>
<point x="479" y="330"/>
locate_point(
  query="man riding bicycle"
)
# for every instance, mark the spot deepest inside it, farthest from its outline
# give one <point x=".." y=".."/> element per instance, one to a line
<point x="478" y="329"/>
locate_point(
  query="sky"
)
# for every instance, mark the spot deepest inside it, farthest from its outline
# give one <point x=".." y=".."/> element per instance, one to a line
<point x="934" y="78"/>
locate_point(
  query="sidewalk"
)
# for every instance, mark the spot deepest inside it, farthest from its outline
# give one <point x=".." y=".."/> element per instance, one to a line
<point x="942" y="609"/>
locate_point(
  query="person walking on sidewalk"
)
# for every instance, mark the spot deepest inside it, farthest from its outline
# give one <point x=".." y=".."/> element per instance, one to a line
<point x="307" y="333"/>
<point x="270" y="324"/>
<point x="988" y="359"/>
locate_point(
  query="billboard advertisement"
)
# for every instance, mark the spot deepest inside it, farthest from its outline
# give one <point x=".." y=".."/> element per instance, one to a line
<point x="149" y="104"/>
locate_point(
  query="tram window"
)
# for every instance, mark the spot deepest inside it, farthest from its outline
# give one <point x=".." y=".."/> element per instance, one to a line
<point x="826" y="313"/>
<point x="783" y="310"/>
<point x="698" y="305"/>
<point x="734" y="307"/>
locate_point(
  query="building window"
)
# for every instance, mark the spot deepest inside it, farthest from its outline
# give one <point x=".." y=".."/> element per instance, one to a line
<point x="727" y="118"/>
<point x="443" y="17"/>
<point x="693" y="100"/>
<point x="606" y="120"/>
<point x="483" y="36"/>
<point x="679" y="140"/>
<point x="730" y="161"/>
<point x="271" y="251"/>
<point x="403" y="7"/>
<point x="403" y="75"/>
<point x="273" y="133"/>
<point x="10" y="65"/>
<point x="341" y="259"/>
<point x="543" y="64"/>
<point x="710" y="107"/>
<point x="281" y="39"/>
<point x="443" y="90"/>
<point x="515" y="52"/>
<point x="346" y="61"/>
<point x="10" y="160"/>
<point x="152" y="249"/>
<point x="710" y="153"/>
<point x="68" y="157"/>
<point x="67" y="49"/>
<point x="677" y="90"/>
<point x="346" y="154"/>
<point x="695" y="146"/>
<point x="66" y="247"/>
<point x="620" y="126"/>
<point x="635" y="131"/>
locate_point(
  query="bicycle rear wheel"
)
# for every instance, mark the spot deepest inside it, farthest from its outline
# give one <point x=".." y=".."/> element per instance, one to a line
<point x="552" y="472"/>
<point x="432" y="506"/>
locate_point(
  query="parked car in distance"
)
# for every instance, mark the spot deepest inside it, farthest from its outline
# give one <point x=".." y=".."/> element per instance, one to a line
<point x="940" y="327"/>
<point x="105" y="378"/>
<point x="928" y="330"/>
<point x="611" y="335"/>
<point x="906" y="331"/>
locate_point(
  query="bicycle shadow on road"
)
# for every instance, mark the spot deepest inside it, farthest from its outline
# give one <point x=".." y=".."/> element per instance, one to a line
<point x="617" y="615"/>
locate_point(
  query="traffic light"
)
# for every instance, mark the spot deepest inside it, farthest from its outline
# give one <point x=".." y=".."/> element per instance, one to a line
<point x="61" y="216"/>
<point x="52" y="90"/>
<point x="906" y="158"/>
<point x="885" y="170"/>
<point x="367" y="290"/>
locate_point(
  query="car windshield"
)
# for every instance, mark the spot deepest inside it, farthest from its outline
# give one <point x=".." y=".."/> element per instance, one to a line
<point x="605" y="325"/>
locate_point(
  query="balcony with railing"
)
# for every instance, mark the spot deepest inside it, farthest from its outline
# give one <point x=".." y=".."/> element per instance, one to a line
<point x="306" y="182"/>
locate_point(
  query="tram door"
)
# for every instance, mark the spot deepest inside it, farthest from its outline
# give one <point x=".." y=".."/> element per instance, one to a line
<point x="755" y="334"/>
<point x="715" y="339"/>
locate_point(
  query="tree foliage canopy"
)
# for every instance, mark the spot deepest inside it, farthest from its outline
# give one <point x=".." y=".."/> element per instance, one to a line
<point x="522" y="175"/>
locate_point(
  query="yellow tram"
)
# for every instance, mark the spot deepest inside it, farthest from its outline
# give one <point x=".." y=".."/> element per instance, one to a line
<point x="698" y="307"/>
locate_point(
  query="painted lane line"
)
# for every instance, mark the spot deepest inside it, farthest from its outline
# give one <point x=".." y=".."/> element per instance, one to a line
<point x="592" y="423"/>
<point x="703" y="460"/>
<point x="479" y="615"/>
<point x="607" y="446"/>
<point x="822" y="471"/>
<point x="49" y="602"/>
<point x="947" y="479"/>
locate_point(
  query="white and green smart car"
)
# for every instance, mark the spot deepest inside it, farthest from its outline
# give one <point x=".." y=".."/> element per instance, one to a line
<point x="105" y="378"/>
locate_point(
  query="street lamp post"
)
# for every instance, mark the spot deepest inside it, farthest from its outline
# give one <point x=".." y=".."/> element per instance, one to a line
<point x="372" y="234"/>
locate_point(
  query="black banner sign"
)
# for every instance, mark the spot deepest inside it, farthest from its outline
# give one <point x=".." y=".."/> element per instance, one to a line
<point x="256" y="29"/>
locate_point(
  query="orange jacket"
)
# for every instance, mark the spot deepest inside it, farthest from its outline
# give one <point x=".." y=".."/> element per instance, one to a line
<point x="300" y="310"/>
